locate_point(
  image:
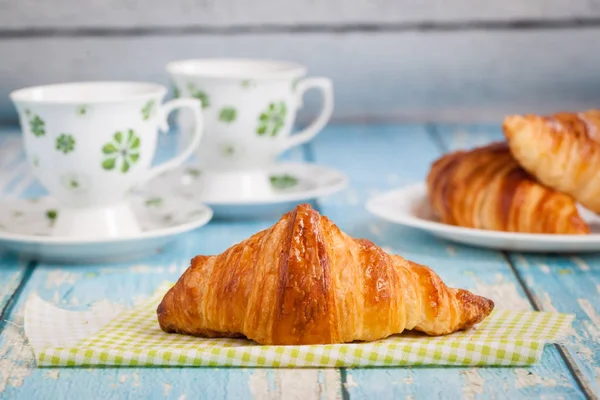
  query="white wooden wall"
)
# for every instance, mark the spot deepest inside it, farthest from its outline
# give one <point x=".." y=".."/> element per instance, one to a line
<point x="390" y="59"/>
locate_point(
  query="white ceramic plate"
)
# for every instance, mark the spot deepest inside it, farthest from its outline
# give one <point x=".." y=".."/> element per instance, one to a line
<point x="409" y="206"/>
<point x="25" y="227"/>
<point x="237" y="194"/>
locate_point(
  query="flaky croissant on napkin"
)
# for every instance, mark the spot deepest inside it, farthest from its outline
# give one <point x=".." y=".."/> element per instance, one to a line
<point x="303" y="281"/>
<point x="307" y="295"/>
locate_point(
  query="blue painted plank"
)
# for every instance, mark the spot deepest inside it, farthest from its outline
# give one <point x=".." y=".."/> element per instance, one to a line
<point x="12" y="271"/>
<point x="383" y="157"/>
<point x="122" y="285"/>
<point x="569" y="284"/>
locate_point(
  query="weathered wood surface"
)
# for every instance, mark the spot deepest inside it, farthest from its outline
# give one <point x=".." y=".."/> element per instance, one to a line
<point x="565" y="283"/>
<point x="26" y="14"/>
<point x="442" y="76"/>
<point x="376" y="157"/>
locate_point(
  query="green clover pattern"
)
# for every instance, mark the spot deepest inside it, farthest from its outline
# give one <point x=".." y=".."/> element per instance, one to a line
<point x="199" y="94"/>
<point x="154" y="202"/>
<point x="227" y="115"/>
<point x="228" y="150"/>
<point x="65" y="143"/>
<point x="194" y="172"/>
<point x="122" y="152"/>
<point x="148" y="110"/>
<point x="36" y="124"/>
<point x="72" y="183"/>
<point x="283" y="181"/>
<point x="272" y="119"/>
<point x="51" y="215"/>
<point x="82" y="110"/>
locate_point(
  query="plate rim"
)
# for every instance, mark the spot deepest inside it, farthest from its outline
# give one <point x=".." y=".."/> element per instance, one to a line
<point x="342" y="183"/>
<point x="200" y="221"/>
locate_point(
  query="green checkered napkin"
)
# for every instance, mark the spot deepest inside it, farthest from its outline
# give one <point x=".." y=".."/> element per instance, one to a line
<point x="65" y="338"/>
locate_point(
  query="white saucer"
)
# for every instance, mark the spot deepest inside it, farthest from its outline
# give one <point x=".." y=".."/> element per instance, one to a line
<point x="25" y="227"/>
<point x="409" y="206"/>
<point x="273" y="190"/>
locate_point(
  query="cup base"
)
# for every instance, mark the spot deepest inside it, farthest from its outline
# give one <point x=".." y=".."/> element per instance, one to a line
<point x="101" y="222"/>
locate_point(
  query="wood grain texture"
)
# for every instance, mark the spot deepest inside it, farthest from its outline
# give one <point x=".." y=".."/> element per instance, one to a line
<point x="12" y="271"/>
<point x="383" y="157"/>
<point x="443" y="76"/>
<point x="114" y="13"/>
<point x="557" y="283"/>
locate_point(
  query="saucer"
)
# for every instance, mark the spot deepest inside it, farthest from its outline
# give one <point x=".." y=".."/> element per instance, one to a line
<point x="409" y="206"/>
<point x="233" y="194"/>
<point x="25" y="227"/>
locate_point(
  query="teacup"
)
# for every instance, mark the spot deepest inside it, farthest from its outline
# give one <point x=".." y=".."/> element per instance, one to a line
<point x="90" y="143"/>
<point x="249" y="109"/>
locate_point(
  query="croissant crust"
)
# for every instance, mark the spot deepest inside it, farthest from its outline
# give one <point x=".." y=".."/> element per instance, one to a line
<point x="562" y="151"/>
<point x="303" y="281"/>
<point x="485" y="188"/>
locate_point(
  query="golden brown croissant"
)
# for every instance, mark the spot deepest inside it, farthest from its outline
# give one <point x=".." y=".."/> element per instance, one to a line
<point x="562" y="151"/>
<point x="485" y="188"/>
<point x="303" y="281"/>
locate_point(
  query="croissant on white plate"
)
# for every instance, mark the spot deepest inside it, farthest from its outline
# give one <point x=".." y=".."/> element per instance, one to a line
<point x="485" y="188"/>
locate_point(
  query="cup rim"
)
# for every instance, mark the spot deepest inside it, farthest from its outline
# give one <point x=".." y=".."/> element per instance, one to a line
<point x="282" y="70"/>
<point x="28" y="94"/>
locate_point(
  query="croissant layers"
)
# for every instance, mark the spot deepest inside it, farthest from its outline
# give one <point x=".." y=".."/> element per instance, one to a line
<point x="303" y="281"/>
<point x="562" y="151"/>
<point x="485" y="188"/>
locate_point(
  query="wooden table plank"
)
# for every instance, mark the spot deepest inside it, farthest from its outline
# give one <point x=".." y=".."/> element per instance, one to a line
<point x="379" y="158"/>
<point x="569" y="284"/>
<point x="12" y="271"/>
<point x="122" y="285"/>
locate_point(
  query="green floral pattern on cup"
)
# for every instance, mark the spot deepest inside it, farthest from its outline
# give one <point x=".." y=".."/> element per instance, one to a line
<point x="272" y="119"/>
<point x="227" y="114"/>
<point x="283" y="181"/>
<point x="176" y="92"/>
<point x="36" y="124"/>
<point x="65" y="143"/>
<point x="122" y="152"/>
<point x="194" y="172"/>
<point x="148" y="110"/>
<point x="228" y="150"/>
<point x="82" y="110"/>
<point x="154" y="202"/>
<point x="71" y="182"/>
<point x="51" y="215"/>
<point x="199" y="94"/>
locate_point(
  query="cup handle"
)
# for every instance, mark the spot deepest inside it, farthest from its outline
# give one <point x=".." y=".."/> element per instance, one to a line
<point x="326" y="86"/>
<point x="195" y="106"/>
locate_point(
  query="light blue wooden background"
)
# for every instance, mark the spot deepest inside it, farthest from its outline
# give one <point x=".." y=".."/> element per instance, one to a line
<point x="461" y="60"/>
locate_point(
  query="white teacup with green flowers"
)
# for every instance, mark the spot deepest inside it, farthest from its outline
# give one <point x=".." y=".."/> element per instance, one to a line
<point x="90" y="143"/>
<point x="249" y="109"/>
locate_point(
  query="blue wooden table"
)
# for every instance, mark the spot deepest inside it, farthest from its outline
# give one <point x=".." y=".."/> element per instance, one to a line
<point x="376" y="158"/>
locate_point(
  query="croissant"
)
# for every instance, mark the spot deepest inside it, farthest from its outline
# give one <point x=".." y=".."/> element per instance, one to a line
<point x="485" y="188"/>
<point x="303" y="281"/>
<point x="562" y="151"/>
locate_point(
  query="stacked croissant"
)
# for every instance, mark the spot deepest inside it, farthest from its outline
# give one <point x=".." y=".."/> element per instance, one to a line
<point x="530" y="184"/>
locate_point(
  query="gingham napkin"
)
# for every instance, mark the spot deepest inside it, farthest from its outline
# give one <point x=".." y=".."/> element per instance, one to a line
<point x="133" y="338"/>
